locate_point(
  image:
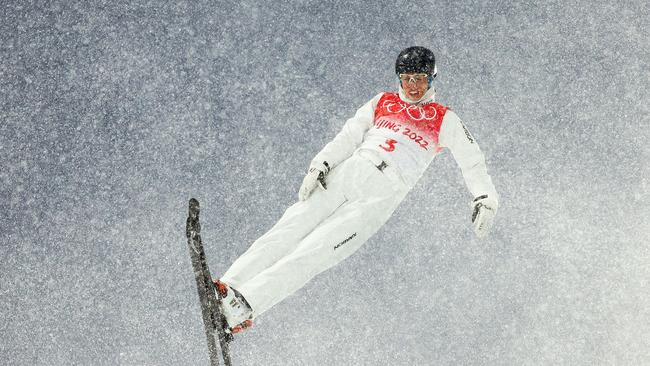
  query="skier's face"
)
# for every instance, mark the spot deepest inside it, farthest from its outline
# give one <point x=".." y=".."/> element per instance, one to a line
<point x="414" y="85"/>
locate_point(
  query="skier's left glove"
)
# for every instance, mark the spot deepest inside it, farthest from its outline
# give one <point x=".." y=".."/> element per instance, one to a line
<point x="315" y="177"/>
<point x="484" y="208"/>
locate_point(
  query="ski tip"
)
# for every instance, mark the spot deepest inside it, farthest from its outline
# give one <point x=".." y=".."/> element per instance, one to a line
<point x="194" y="207"/>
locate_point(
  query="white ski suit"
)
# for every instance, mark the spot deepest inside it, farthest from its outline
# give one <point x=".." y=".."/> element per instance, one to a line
<point x="375" y="160"/>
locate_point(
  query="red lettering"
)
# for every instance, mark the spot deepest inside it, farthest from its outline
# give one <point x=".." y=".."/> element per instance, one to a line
<point x="391" y="145"/>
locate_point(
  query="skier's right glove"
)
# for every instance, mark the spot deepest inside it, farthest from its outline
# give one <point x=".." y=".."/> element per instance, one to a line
<point x="315" y="177"/>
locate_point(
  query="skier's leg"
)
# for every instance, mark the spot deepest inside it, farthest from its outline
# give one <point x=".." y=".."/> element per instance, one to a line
<point x="335" y="239"/>
<point x="283" y="238"/>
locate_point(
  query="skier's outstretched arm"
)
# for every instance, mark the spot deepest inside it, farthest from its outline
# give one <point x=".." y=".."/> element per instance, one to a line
<point x="469" y="157"/>
<point x="340" y="148"/>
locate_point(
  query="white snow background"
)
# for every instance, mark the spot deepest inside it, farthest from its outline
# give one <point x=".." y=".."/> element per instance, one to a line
<point x="114" y="113"/>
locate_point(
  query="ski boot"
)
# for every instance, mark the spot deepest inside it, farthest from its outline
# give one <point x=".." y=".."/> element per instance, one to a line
<point x="234" y="307"/>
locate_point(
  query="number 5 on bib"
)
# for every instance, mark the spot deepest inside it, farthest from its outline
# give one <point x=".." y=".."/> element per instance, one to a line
<point x="391" y="145"/>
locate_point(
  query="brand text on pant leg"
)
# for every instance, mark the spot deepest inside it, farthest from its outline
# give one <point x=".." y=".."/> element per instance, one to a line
<point x="345" y="241"/>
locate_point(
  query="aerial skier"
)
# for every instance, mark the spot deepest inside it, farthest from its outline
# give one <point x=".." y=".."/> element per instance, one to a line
<point x="352" y="187"/>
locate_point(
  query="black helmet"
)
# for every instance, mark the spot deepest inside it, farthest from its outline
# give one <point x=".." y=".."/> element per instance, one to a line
<point x="416" y="59"/>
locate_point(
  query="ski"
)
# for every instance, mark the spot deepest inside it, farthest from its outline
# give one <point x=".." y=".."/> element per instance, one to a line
<point x="213" y="320"/>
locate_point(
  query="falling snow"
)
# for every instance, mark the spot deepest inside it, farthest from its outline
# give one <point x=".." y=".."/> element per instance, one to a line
<point x="114" y="114"/>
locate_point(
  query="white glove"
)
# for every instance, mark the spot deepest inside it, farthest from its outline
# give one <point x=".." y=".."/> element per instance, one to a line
<point x="484" y="209"/>
<point x="315" y="177"/>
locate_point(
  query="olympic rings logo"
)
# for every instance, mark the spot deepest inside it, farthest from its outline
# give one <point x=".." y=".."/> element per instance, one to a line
<point x="416" y="113"/>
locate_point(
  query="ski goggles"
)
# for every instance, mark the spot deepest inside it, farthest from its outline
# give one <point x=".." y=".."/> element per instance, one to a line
<point x="416" y="78"/>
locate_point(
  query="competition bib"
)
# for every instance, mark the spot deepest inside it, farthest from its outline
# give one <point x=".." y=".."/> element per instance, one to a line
<point x="414" y="127"/>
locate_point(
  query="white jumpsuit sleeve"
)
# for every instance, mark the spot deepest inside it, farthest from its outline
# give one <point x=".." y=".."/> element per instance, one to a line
<point x="469" y="157"/>
<point x="350" y="137"/>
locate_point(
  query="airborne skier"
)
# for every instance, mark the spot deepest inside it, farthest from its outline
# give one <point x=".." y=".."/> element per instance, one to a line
<point x="363" y="174"/>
